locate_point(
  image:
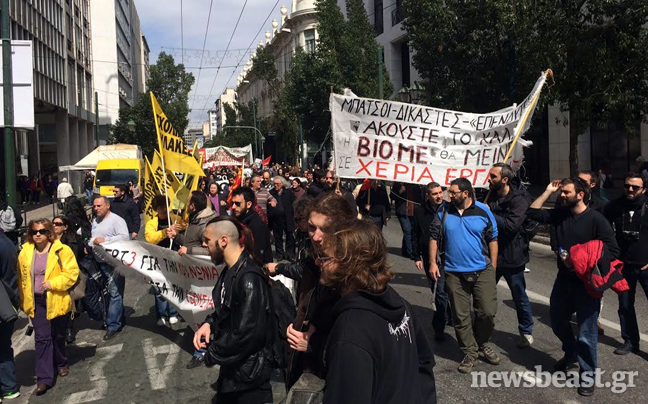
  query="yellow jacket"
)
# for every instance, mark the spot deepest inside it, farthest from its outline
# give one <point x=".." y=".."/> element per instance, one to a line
<point x="62" y="279"/>
<point x="155" y="236"/>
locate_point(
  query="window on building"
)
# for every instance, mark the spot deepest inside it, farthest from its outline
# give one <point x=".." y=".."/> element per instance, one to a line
<point x="405" y="63"/>
<point x="309" y="40"/>
<point x="378" y="17"/>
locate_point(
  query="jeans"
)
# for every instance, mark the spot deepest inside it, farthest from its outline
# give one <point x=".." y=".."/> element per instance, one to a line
<point x="7" y="366"/>
<point x="515" y="280"/>
<point x="443" y="314"/>
<point x="567" y="297"/>
<point x="115" y="314"/>
<point x="473" y="335"/>
<point x="406" y="226"/>
<point x="279" y="229"/>
<point x="88" y="193"/>
<point x="49" y="342"/>
<point x="378" y="220"/>
<point x="163" y="308"/>
<point x="627" y="315"/>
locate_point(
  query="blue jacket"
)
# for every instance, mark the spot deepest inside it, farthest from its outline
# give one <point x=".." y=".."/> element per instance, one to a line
<point x="465" y="237"/>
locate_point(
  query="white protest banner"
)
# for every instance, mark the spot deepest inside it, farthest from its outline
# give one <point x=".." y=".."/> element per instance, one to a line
<point x="228" y="156"/>
<point x="183" y="280"/>
<point x="394" y="141"/>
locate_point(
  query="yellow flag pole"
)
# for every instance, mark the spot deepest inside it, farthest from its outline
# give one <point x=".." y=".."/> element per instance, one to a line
<point x="523" y="121"/>
<point x="166" y="191"/>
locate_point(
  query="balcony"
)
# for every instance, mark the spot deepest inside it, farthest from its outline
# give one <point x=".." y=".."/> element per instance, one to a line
<point x="397" y="16"/>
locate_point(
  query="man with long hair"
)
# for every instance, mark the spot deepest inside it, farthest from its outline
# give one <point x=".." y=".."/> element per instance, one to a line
<point x="377" y="351"/>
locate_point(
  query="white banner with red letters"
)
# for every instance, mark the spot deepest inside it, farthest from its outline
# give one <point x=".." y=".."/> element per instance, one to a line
<point x="185" y="281"/>
<point x="395" y="141"/>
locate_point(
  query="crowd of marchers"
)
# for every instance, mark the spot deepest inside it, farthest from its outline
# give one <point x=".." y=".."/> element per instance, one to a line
<point x="353" y="338"/>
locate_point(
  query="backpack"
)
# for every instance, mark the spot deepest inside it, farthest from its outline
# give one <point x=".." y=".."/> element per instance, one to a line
<point x="96" y="291"/>
<point x="283" y="312"/>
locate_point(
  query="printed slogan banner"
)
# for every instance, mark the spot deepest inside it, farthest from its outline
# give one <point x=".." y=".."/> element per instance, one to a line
<point x="394" y="141"/>
<point x="228" y="156"/>
<point x="183" y="280"/>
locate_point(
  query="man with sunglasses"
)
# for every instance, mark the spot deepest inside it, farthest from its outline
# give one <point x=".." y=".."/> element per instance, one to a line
<point x="243" y="201"/>
<point x="629" y="218"/>
<point x="575" y="223"/>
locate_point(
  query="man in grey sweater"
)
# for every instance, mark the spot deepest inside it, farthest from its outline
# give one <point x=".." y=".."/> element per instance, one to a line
<point x="108" y="227"/>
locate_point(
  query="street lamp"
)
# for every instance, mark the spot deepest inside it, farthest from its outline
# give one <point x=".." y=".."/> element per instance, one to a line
<point x="413" y="95"/>
<point x="131" y="125"/>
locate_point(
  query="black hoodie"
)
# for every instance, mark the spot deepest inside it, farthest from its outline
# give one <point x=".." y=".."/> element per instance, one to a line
<point x="377" y="352"/>
<point x="631" y="229"/>
<point x="510" y="214"/>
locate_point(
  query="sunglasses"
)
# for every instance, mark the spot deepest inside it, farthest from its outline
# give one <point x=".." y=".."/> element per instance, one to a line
<point x="237" y="203"/>
<point x="42" y="232"/>
<point x="631" y="187"/>
<point x="58" y="224"/>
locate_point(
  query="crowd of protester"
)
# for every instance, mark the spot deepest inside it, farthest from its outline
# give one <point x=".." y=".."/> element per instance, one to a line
<point x="353" y="337"/>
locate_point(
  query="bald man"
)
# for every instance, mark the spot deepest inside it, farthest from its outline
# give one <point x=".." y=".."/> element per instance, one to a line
<point x="243" y="336"/>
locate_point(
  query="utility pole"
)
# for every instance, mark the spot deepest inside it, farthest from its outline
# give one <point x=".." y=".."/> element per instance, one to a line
<point x="9" y="137"/>
<point x="256" y="144"/>
<point x="380" y="72"/>
<point x="302" y="150"/>
<point x="96" y="128"/>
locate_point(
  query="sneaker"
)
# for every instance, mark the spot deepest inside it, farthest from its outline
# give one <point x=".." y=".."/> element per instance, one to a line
<point x="173" y="320"/>
<point x="195" y="362"/>
<point x="11" y="396"/>
<point x="162" y="322"/>
<point x="626" y="348"/>
<point x="565" y="365"/>
<point x="526" y="270"/>
<point x="466" y="364"/>
<point x="525" y="341"/>
<point x="490" y="355"/>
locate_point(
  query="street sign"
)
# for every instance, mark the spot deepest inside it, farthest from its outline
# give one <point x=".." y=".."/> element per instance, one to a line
<point x="23" y="85"/>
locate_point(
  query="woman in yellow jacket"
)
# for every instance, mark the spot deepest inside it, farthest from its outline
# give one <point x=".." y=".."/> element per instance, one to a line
<point x="47" y="270"/>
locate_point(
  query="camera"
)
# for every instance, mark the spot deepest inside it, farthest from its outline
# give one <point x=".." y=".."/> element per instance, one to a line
<point x="631" y="235"/>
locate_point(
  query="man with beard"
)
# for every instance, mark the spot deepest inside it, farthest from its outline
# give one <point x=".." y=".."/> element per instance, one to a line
<point x="282" y="219"/>
<point x="509" y="206"/>
<point x="127" y="209"/>
<point x="316" y="185"/>
<point x="262" y="195"/>
<point x="241" y="322"/>
<point x="630" y="222"/>
<point x="423" y="217"/>
<point x="243" y="201"/>
<point x="467" y="232"/>
<point x="575" y="223"/>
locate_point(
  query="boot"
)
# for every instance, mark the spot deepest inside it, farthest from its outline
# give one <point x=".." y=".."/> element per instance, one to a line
<point x="69" y="332"/>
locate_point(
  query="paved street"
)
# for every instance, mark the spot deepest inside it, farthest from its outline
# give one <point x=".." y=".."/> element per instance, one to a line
<point x="146" y="363"/>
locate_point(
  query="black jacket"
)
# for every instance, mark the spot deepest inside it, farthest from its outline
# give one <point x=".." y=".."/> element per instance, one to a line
<point x="284" y="208"/>
<point x="314" y="189"/>
<point x="127" y="209"/>
<point x="377" y="352"/>
<point x="631" y="230"/>
<point x="379" y="203"/>
<point x="510" y="214"/>
<point x="242" y="327"/>
<point x="261" y="233"/>
<point x="423" y="217"/>
<point x="9" y="262"/>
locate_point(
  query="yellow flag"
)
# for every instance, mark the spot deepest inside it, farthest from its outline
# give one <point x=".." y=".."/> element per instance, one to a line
<point x="172" y="147"/>
<point x="172" y="182"/>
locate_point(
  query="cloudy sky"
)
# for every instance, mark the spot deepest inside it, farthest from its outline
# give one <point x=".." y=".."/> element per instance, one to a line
<point x="160" y="21"/>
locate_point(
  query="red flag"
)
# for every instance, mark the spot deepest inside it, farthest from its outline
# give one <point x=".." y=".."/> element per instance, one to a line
<point x="266" y="161"/>
<point x="237" y="183"/>
<point x="366" y="184"/>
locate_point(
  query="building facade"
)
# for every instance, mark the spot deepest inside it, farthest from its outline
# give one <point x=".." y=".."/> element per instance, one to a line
<point x="60" y="32"/>
<point x="217" y="115"/>
<point x="120" y="55"/>
<point x="297" y="29"/>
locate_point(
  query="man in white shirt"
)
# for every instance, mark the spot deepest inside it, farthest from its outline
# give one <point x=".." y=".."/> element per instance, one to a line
<point x="63" y="190"/>
<point x="107" y="227"/>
